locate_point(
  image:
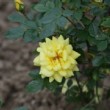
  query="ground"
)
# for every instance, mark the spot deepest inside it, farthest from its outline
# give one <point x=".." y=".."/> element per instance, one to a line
<point x="15" y="62"/>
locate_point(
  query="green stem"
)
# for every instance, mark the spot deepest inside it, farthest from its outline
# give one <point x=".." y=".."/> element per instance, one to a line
<point x="87" y="105"/>
<point x="70" y="20"/>
<point x="97" y="91"/>
<point x="80" y="88"/>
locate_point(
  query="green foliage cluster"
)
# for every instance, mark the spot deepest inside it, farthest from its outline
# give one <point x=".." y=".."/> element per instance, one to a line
<point x="22" y="108"/>
<point x="87" y="24"/>
<point x="1" y="102"/>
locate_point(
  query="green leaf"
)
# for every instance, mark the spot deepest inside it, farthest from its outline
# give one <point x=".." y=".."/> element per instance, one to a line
<point x="102" y="45"/>
<point x="76" y="3"/>
<point x="67" y="13"/>
<point x="51" y="86"/>
<point x="83" y="35"/>
<point x="51" y="15"/>
<point x="106" y="23"/>
<point x="34" y="74"/>
<point x="97" y="61"/>
<point x="35" y="86"/>
<point x="50" y="5"/>
<point x="30" y="36"/>
<point x="93" y="29"/>
<point x="48" y="30"/>
<point x="73" y="94"/>
<point x="101" y="36"/>
<point x="78" y="15"/>
<point x="22" y="108"/>
<point x="96" y="33"/>
<point x="1" y="102"/>
<point x="107" y="2"/>
<point x="62" y="21"/>
<point x="17" y="17"/>
<point x="15" y="32"/>
<point x="30" y="24"/>
<point x="58" y="3"/>
<point x="40" y="8"/>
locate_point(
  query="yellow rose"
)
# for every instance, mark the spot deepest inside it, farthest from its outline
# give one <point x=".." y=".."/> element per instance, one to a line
<point x="56" y="58"/>
<point x="19" y="5"/>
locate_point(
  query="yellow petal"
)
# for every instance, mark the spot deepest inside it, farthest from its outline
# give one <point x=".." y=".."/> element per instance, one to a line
<point x="70" y="73"/>
<point x="60" y="38"/>
<point x="67" y="41"/>
<point x="19" y="5"/>
<point x="76" y="68"/>
<point x="51" y="79"/>
<point x="43" y="76"/>
<point x="46" y="72"/>
<point x="65" y="55"/>
<point x="75" y="54"/>
<point x="48" y="40"/>
<point x="19" y="1"/>
<point x="63" y="73"/>
<point x="37" y="61"/>
<point x="57" y="77"/>
<point x="39" y="49"/>
<point x="56" y="66"/>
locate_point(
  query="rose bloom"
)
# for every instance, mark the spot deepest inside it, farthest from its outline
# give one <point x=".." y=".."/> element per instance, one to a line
<point x="57" y="59"/>
<point x="19" y="5"/>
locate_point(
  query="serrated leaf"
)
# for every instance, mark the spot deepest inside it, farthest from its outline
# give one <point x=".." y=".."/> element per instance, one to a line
<point x="17" y="17"/>
<point x="35" y="86"/>
<point x="78" y="15"/>
<point x="102" y="45"/>
<point x="101" y="36"/>
<point x="93" y="30"/>
<point x="67" y="13"/>
<point x="48" y="30"/>
<point x="15" y="32"/>
<point x="58" y="3"/>
<point x="30" y="24"/>
<point x="106" y="23"/>
<point x="61" y="22"/>
<point x="34" y="74"/>
<point x="97" y="61"/>
<point x="51" y="15"/>
<point x="51" y="86"/>
<point x="30" y="36"/>
<point x="50" y="4"/>
<point x="96" y="33"/>
<point x="40" y="8"/>
<point x="77" y="3"/>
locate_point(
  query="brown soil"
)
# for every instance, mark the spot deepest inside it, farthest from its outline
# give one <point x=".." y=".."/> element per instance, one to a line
<point x="15" y="63"/>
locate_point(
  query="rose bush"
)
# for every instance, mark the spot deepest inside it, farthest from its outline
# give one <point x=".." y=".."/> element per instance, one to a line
<point x="74" y="49"/>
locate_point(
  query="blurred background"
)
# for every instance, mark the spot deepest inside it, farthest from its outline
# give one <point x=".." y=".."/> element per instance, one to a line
<point x="16" y="60"/>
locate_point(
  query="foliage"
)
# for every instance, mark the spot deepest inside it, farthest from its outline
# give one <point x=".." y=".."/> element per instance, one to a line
<point x="22" y="108"/>
<point x="87" y="24"/>
<point x="1" y="102"/>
